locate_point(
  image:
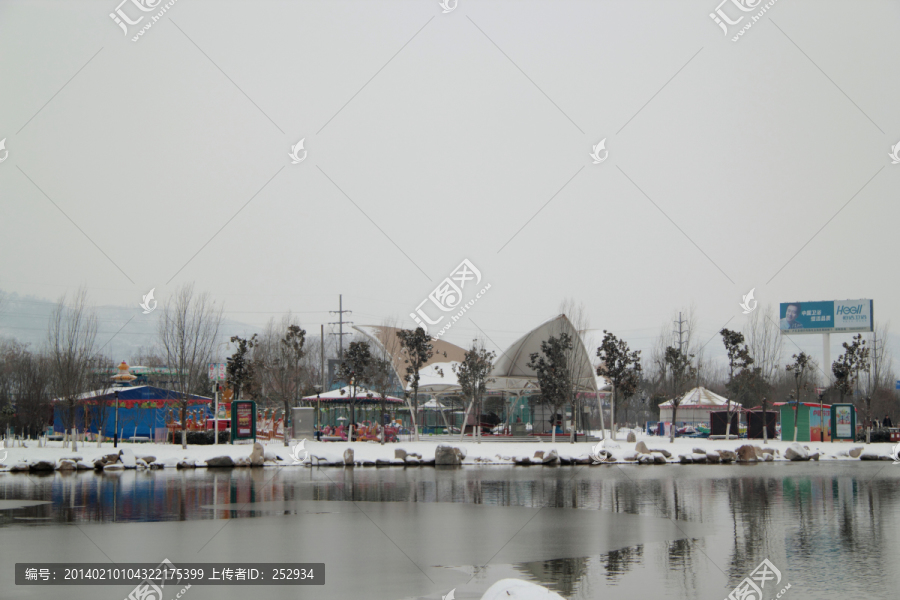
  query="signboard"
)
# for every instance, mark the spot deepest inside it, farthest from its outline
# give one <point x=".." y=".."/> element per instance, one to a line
<point x="829" y="316"/>
<point x="243" y="420"/>
<point x="217" y="371"/>
<point x="843" y="421"/>
<point x="818" y="423"/>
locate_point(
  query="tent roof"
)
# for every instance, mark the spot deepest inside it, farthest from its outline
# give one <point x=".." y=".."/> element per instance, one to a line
<point x="343" y="394"/>
<point x="387" y="341"/>
<point x="512" y="365"/>
<point x="699" y="396"/>
<point x="432" y="404"/>
<point x="431" y="381"/>
<point x="136" y="392"/>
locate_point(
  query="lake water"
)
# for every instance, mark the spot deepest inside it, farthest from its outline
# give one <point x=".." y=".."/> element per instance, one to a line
<point x="680" y="532"/>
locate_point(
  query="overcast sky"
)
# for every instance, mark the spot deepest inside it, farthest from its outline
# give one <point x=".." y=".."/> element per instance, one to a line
<point x="436" y="137"/>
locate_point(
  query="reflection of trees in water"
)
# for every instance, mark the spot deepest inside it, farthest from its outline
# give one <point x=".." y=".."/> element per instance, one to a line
<point x="563" y="575"/>
<point x="680" y="563"/>
<point x="618" y="562"/>
<point x="750" y="501"/>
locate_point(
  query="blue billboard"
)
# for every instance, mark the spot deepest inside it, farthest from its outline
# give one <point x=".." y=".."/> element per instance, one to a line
<point x="828" y="316"/>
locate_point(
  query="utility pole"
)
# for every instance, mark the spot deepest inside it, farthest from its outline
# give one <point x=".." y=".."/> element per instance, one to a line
<point x="340" y="323"/>
<point x="680" y="322"/>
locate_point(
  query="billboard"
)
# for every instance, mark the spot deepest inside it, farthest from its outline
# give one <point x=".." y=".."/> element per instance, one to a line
<point x="828" y="316"/>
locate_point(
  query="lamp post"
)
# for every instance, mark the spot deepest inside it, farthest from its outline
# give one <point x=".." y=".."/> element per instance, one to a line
<point x="821" y="417"/>
<point x="318" y="409"/>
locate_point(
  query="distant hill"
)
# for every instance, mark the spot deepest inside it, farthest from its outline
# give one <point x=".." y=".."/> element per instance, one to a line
<point x="122" y="331"/>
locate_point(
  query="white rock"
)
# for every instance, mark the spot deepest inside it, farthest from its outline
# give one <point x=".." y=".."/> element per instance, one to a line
<point x="699" y="457"/>
<point x="646" y="459"/>
<point x="517" y="589"/>
<point x="257" y="455"/>
<point x="126" y="457"/>
<point x="796" y="452"/>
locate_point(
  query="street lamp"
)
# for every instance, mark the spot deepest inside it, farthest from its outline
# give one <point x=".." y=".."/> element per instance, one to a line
<point x="318" y="409"/>
<point x="821" y="416"/>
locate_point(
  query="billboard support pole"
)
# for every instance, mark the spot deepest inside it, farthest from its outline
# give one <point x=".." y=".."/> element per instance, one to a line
<point x="826" y="356"/>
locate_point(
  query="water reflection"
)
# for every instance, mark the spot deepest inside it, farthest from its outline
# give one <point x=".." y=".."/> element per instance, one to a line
<point x="843" y="515"/>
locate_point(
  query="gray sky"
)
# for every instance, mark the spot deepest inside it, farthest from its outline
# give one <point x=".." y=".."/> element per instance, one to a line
<point x="436" y="137"/>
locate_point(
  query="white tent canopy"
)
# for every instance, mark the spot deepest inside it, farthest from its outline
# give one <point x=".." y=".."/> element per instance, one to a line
<point x="700" y="397"/>
<point x="511" y="371"/>
<point x="362" y="394"/>
<point x="445" y="354"/>
<point x="430" y="380"/>
<point x="695" y="407"/>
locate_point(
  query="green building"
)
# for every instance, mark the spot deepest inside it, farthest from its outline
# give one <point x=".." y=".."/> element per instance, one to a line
<point x="809" y="420"/>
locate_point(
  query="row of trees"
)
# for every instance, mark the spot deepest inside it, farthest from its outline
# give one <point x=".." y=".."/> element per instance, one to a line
<point x="280" y="366"/>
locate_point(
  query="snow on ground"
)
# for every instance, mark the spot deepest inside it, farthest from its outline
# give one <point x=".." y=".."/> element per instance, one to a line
<point x="367" y="453"/>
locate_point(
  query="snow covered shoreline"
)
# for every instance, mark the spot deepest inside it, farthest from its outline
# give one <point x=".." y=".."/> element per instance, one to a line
<point x="647" y="450"/>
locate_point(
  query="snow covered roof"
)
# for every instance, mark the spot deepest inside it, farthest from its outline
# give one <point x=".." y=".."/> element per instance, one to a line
<point x="135" y="392"/>
<point x="699" y="396"/>
<point x="386" y="340"/>
<point x="512" y="365"/>
<point x="362" y="394"/>
<point x="431" y="381"/>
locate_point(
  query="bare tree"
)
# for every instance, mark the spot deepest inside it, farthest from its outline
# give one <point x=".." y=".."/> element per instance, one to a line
<point x="765" y="341"/>
<point x="188" y="331"/>
<point x="24" y="387"/>
<point x="72" y="336"/>
<point x="280" y="363"/>
<point x="381" y="376"/>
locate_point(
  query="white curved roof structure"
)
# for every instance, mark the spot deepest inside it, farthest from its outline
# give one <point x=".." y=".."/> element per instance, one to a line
<point x="511" y="371"/>
<point x="430" y="380"/>
<point x="445" y="354"/>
